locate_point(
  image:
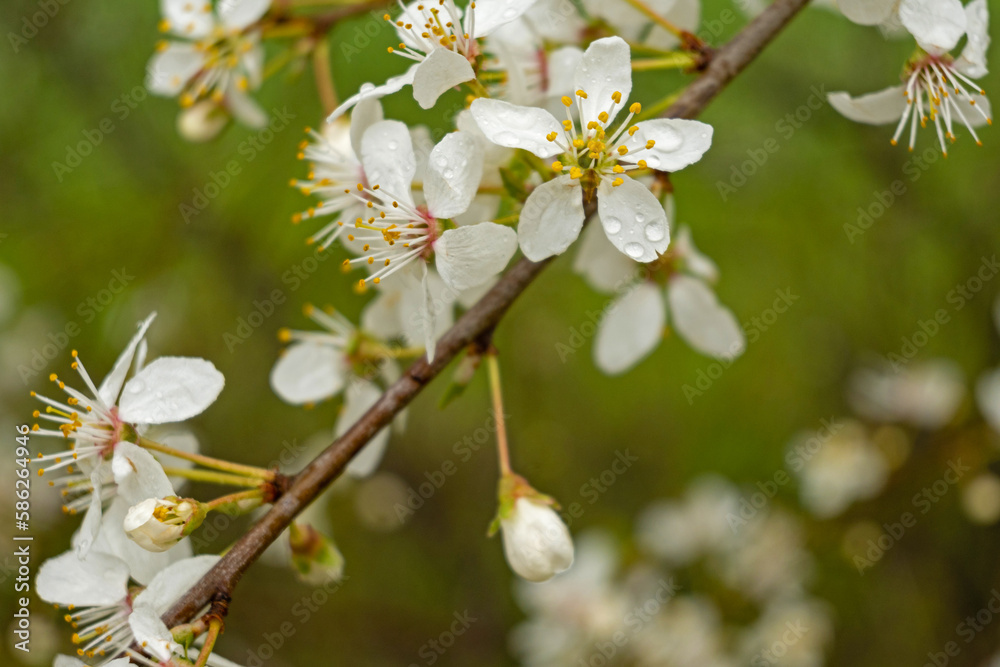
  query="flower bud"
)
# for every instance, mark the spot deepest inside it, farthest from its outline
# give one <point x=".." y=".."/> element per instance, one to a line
<point x="202" y="121"/>
<point x="536" y="542"/>
<point x="156" y="524"/>
<point x="316" y="559"/>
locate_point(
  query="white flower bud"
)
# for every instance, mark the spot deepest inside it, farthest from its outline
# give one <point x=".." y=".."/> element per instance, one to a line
<point x="202" y="121"/>
<point x="156" y="524"/>
<point x="536" y="542"/>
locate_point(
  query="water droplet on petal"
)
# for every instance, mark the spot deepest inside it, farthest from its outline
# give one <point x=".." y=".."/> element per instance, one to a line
<point x="392" y="145"/>
<point x="640" y="218"/>
<point x="655" y="231"/>
<point x="633" y="250"/>
<point x="612" y="225"/>
<point x="137" y="386"/>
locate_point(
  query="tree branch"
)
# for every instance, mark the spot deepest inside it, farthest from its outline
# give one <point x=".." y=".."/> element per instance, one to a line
<point x="478" y="321"/>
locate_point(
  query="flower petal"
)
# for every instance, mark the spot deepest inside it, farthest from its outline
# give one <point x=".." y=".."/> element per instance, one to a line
<point x="488" y="15"/>
<point x="308" y="372"/>
<point x="677" y="143"/>
<point x="365" y="114"/>
<point x="187" y="18"/>
<point x="879" y="108"/>
<point x="601" y="265"/>
<point x="172" y="582"/>
<point x="701" y="321"/>
<point x="454" y="170"/>
<point x="138" y="474"/>
<point x="239" y="14"/>
<point x="112" y="384"/>
<point x="695" y="262"/>
<point x="152" y="634"/>
<point x="388" y="159"/>
<point x="98" y="579"/>
<point x="937" y="25"/>
<point x="359" y="397"/>
<point x="551" y="218"/>
<point x="143" y="565"/>
<point x="513" y="126"/>
<point x="631" y="328"/>
<point x="633" y="219"/>
<point x="171" y="389"/>
<point x="972" y="62"/>
<point x="988" y="398"/>
<point x="606" y="68"/>
<point x="169" y="70"/>
<point x="867" y="12"/>
<point x="244" y="108"/>
<point x="371" y="91"/>
<point x="90" y="528"/>
<point x="469" y="256"/>
<point x="441" y="70"/>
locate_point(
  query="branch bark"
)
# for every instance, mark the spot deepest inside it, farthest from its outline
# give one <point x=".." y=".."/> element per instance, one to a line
<point x="478" y="321"/>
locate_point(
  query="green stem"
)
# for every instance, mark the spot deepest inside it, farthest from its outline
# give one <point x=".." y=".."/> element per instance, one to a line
<point x="503" y="450"/>
<point x="214" y="628"/>
<point x="230" y="504"/>
<point x="656" y="18"/>
<point x="213" y="477"/>
<point x="673" y="61"/>
<point x="207" y="461"/>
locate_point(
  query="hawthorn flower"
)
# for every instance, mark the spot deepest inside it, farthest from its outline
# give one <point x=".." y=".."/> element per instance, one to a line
<point x="157" y="524"/>
<point x="926" y="394"/>
<point x="595" y="158"/>
<point x="105" y="423"/>
<point x="443" y="48"/>
<point x="635" y="321"/>
<point x="633" y="25"/>
<point x="937" y="86"/>
<point x="536" y="542"/>
<point x="869" y="12"/>
<point x="218" y="57"/>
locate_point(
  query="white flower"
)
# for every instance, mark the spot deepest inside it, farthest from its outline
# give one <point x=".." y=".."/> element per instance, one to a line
<point x="219" y="57"/>
<point x="981" y="498"/>
<point x="634" y="323"/>
<point x="444" y="49"/>
<point x="317" y="363"/>
<point x="105" y="423"/>
<point x="924" y="394"/>
<point x="807" y="648"/>
<point x="938" y="87"/>
<point x="848" y="467"/>
<point x="202" y="121"/>
<point x="536" y="542"/>
<point x="868" y="12"/>
<point x="157" y="524"/>
<point x="631" y="216"/>
<point x="633" y="25"/>
<point x="398" y="232"/>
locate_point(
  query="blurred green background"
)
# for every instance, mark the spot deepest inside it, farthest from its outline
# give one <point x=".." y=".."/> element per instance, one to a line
<point x="63" y="235"/>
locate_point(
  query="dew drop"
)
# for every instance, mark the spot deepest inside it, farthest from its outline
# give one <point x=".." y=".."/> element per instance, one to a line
<point x="633" y="250"/>
<point x="654" y="231"/>
<point x="640" y="218"/>
<point x="392" y="145"/>
<point x="652" y="161"/>
<point x="612" y="225"/>
<point x="137" y="386"/>
<point x="448" y="173"/>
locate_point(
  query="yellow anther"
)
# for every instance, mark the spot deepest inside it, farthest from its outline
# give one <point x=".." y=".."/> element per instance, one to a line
<point x="635" y="108"/>
<point x="557" y="166"/>
<point x="575" y="173"/>
<point x="632" y="130"/>
<point x="551" y="136"/>
<point x="581" y="94"/>
<point x="618" y="181"/>
<point x="618" y="169"/>
<point x="284" y="334"/>
<point x="567" y="101"/>
<point x="642" y="164"/>
<point x="622" y="150"/>
<point x="567" y="125"/>
<point x="603" y="116"/>
<point x="617" y="97"/>
<point x="650" y="143"/>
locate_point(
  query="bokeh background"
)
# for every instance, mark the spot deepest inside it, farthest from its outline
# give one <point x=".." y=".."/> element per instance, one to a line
<point x="65" y="234"/>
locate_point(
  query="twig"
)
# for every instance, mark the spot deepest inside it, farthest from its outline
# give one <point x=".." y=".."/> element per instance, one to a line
<point x="482" y="318"/>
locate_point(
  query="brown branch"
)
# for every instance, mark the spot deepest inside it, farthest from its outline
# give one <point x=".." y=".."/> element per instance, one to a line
<point x="478" y="321"/>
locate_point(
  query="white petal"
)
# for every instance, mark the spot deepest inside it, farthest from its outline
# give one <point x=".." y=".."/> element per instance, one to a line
<point x="563" y="64"/>
<point x="606" y="68"/>
<point x="630" y="329"/>
<point x="867" y="12"/>
<point x="239" y="14"/>
<point x="454" y="170"/>
<point x="442" y="70"/>
<point x="973" y="59"/>
<point x="972" y="114"/>
<point x="469" y="256"/>
<point x="365" y="114"/>
<point x="513" y="126"/>
<point x="308" y="372"/>
<point x="696" y="263"/>
<point x="171" y="389"/>
<point x="85" y="538"/>
<point x="387" y="155"/>
<point x="143" y="565"/>
<point x="491" y="14"/>
<point x="169" y="70"/>
<point x="633" y="219"/>
<point x="243" y="108"/>
<point x="99" y="579"/>
<point x="359" y="397"/>
<point x="701" y="321"/>
<point x="678" y="143"/>
<point x="172" y="582"/>
<point x="428" y="314"/>
<point x="551" y="218"/>
<point x="685" y="14"/>
<point x="138" y="474"/>
<point x="937" y="25"/>
<point x="371" y="91"/>
<point x="381" y="316"/>
<point x="601" y="265"/>
<point x="188" y="18"/>
<point x="152" y="634"/>
<point x="112" y="384"/>
<point x="879" y="108"/>
<point x="202" y="122"/>
<point x="988" y="398"/>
